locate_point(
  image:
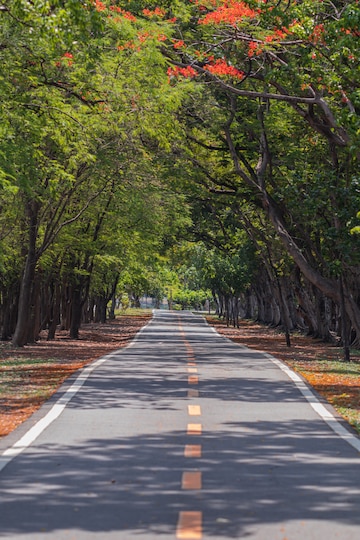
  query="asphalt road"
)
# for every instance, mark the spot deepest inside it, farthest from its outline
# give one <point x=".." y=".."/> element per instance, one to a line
<point x="184" y="434"/>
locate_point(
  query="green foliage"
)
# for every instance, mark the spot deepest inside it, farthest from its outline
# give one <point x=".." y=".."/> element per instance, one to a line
<point x="190" y="299"/>
<point x="118" y="158"/>
<point x="203" y="270"/>
<point x="85" y="109"/>
<point x="356" y="229"/>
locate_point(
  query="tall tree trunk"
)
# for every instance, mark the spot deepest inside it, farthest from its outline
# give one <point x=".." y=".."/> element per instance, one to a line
<point x="305" y="309"/>
<point x="10" y="300"/>
<point x="65" y="306"/>
<point x="76" y="308"/>
<point x="24" y="317"/>
<point x="322" y="311"/>
<point x="329" y="287"/>
<point x="100" y="308"/>
<point x="112" y="307"/>
<point x="35" y="318"/>
<point x="55" y="312"/>
<point x="284" y="312"/>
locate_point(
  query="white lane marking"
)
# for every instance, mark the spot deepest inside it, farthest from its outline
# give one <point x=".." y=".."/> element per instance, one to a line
<point x="311" y="398"/>
<point x="54" y="413"/>
<point x="318" y="407"/>
<point x="33" y="433"/>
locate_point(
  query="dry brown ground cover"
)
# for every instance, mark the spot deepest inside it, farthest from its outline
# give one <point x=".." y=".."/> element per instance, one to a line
<point x="30" y="375"/>
<point x="318" y="362"/>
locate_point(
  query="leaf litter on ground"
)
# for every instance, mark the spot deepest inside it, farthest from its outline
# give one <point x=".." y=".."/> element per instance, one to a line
<point x="29" y="376"/>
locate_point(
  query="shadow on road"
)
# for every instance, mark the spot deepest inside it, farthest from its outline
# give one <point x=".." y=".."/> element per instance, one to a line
<point x="130" y="484"/>
<point x="254" y="472"/>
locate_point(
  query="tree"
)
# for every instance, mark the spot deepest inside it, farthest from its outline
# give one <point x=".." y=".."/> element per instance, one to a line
<point x="234" y="104"/>
<point x="297" y="61"/>
<point x="74" y="116"/>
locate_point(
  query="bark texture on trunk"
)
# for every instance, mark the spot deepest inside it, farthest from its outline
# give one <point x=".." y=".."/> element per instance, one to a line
<point x="25" y="318"/>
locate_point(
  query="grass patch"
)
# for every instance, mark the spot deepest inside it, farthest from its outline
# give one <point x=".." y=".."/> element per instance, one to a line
<point x="130" y="312"/>
<point x="28" y="377"/>
<point x="338" y="382"/>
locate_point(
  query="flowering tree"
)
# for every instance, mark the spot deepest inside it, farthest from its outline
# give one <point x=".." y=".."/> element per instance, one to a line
<point x="77" y="119"/>
<point x="297" y="61"/>
<point x="294" y="68"/>
<point x="270" y="97"/>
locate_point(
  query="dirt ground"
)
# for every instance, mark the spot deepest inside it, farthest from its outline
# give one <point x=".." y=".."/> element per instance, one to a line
<point x="30" y="375"/>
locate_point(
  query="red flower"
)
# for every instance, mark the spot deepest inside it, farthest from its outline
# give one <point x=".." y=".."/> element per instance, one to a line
<point x="125" y="14"/>
<point x="129" y="16"/>
<point x="318" y="33"/>
<point x="179" y="44"/>
<point x="157" y="12"/>
<point x="230" y="12"/>
<point x="221" y="68"/>
<point x="143" y="36"/>
<point x="187" y="72"/>
<point x="253" y="48"/>
<point x="99" y="6"/>
<point x="69" y="58"/>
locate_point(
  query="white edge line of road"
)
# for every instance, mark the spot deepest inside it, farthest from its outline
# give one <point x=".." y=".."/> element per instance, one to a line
<point x="309" y="395"/>
<point x="318" y="407"/>
<point x="30" y="436"/>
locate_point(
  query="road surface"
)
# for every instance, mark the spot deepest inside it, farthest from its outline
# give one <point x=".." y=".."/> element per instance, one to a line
<point x="185" y="435"/>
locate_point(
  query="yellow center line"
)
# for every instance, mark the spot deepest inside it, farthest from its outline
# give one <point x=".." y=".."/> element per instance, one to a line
<point x="194" y="429"/>
<point x="192" y="370"/>
<point x="189" y="526"/>
<point x="192" y="450"/>
<point x="194" y="410"/>
<point x="191" y="480"/>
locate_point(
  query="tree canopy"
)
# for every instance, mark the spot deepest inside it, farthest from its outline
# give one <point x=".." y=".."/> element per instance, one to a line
<point x="130" y="127"/>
